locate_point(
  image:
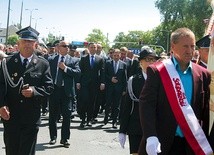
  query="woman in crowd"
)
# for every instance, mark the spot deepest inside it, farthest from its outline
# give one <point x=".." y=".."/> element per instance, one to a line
<point x="130" y="121"/>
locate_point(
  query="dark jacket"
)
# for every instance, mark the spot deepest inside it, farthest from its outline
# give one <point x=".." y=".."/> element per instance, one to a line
<point x="130" y="118"/>
<point x="69" y="76"/>
<point x="37" y="75"/>
<point x="156" y="115"/>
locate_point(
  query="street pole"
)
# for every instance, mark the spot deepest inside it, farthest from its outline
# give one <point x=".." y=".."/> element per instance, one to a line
<point x="20" y="23"/>
<point x="167" y="39"/>
<point x="167" y="48"/>
<point x="36" y="20"/>
<point x="8" y="21"/>
<point x="31" y="12"/>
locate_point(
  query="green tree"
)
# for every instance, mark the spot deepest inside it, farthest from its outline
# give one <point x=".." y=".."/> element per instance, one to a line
<point x="51" y="38"/>
<point x="134" y="39"/>
<point x="12" y="40"/>
<point x="184" y="13"/>
<point x="97" y="36"/>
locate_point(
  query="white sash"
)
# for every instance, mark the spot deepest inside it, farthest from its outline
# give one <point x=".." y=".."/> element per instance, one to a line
<point x="182" y="110"/>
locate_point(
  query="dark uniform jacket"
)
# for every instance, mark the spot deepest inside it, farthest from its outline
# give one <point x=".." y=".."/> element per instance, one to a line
<point x="130" y="119"/>
<point x="37" y="75"/>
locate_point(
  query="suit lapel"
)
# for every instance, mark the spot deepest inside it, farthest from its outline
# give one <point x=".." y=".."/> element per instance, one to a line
<point x="112" y="66"/>
<point x="197" y="81"/>
<point x="55" y="65"/>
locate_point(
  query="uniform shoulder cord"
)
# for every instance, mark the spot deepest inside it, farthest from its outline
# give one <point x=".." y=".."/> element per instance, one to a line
<point x="131" y="93"/>
<point x="8" y="79"/>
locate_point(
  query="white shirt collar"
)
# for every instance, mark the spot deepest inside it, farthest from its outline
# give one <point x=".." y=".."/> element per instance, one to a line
<point x="29" y="58"/>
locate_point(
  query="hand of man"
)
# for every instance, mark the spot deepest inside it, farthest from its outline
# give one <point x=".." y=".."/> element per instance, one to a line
<point x="114" y="80"/>
<point x="78" y="86"/>
<point x="102" y="86"/>
<point x="153" y="146"/>
<point x="5" y="113"/>
<point x="27" y="92"/>
<point x="122" y="139"/>
<point x="61" y="65"/>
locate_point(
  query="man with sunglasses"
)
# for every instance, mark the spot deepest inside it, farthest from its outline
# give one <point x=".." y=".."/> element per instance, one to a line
<point x="64" y="69"/>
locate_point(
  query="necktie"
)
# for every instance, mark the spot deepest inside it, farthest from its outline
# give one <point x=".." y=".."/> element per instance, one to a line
<point x="62" y="58"/>
<point x="92" y="61"/>
<point x="59" y="74"/>
<point x="25" y="63"/>
<point x="115" y="67"/>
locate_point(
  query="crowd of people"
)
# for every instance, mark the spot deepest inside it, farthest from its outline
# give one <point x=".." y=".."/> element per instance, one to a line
<point x="160" y="102"/>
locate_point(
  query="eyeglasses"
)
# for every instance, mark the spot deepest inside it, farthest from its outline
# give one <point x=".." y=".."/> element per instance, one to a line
<point x="150" y="59"/>
<point x="65" y="46"/>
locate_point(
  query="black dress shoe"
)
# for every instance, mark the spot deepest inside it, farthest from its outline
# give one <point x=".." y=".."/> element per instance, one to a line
<point x="94" y="120"/>
<point x="65" y="143"/>
<point x="52" y="141"/>
<point x="114" y="125"/>
<point x="105" y="121"/>
<point x="88" y="124"/>
<point x="82" y="124"/>
<point x="44" y="114"/>
<point x="72" y="117"/>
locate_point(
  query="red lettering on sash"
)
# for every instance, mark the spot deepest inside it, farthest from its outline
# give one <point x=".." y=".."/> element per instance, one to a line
<point x="180" y="94"/>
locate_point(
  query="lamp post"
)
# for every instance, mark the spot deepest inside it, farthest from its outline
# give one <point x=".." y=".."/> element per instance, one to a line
<point x="8" y="21"/>
<point x="167" y="39"/>
<point x="36" y="20"/>
<point x="31" y="12"/>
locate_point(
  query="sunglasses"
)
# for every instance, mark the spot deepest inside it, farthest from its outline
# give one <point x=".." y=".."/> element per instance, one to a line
<point x="150" y="59"/>
<point x="65" y="46"/>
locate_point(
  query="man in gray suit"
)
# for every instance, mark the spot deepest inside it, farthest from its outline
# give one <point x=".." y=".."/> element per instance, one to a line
<point x="64" y="69"/>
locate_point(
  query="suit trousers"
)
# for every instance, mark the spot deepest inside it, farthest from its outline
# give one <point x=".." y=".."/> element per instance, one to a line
<point x="20" y="139"/>
<point x="113" y="97"/>
<point x="59" y="101"/>
<point x="88" y="95"/>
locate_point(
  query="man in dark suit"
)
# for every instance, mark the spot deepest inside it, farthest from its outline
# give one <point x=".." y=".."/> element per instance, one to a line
<point x="115" y="74"/>
<point x="64" y="69"/>
<point x="166" y="125"/>
<point x="90" y="81"/>
<point x="25" y="79"/>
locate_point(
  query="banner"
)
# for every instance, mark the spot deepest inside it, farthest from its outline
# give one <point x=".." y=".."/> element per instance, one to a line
<point x="210" y="64"/>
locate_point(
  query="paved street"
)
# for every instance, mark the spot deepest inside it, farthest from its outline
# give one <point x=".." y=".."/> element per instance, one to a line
<point x="95" y="140"/>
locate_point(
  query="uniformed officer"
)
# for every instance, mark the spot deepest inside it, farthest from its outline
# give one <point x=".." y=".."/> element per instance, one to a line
<point x="203" y="44"/>
<point x="24" y="80"/>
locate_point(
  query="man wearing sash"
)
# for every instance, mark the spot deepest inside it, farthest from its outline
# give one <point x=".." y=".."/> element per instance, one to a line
<point x="174" y="102"/>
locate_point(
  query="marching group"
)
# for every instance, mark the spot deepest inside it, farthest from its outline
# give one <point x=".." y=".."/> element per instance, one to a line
<point x="161" y="103"/>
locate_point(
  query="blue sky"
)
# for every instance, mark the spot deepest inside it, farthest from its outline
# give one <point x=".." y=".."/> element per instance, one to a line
<point x="74" y="19"/>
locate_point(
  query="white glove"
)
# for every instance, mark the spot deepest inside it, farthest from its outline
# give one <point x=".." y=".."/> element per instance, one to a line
<point x="122" y="139"/>
<point x="153" y="146"/>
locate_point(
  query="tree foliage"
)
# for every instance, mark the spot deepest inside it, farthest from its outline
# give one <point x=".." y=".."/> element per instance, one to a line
<point x="184" y="13"/>
<point x="12" y="40"/>
<point x="97" y="36"/>
<point x="134" y="39"/>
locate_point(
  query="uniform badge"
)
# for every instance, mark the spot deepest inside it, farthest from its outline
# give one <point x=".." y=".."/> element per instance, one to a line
<point x="34" y="61"/>
<point x="16" y="60"/>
